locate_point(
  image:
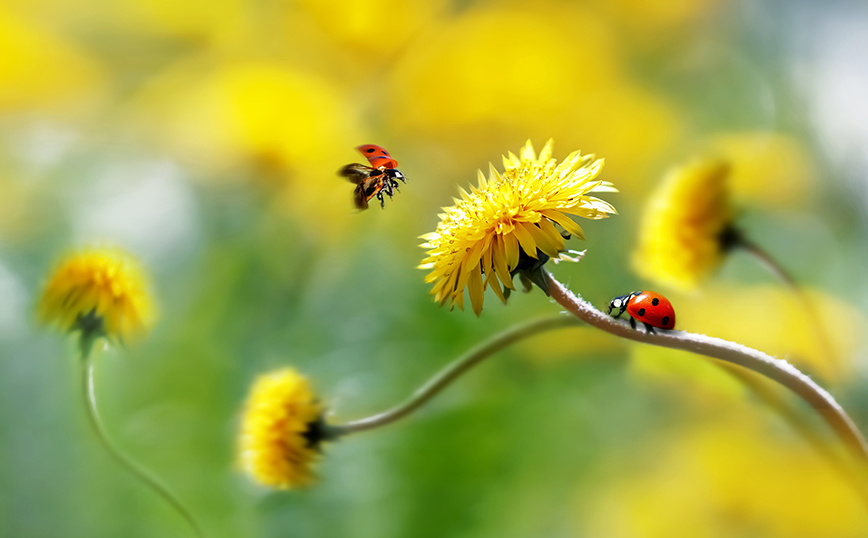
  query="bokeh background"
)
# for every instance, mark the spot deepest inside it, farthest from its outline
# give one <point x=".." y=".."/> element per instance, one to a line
<point x="203" y="137"/>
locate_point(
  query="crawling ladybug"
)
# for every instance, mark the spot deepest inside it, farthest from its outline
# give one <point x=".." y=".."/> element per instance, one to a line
<point x="375" y="180"/>
<point x="652" y="309"/>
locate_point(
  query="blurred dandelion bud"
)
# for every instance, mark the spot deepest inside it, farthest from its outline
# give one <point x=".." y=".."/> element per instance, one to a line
<point x="687" y="225"/>
<point x="100" y="292"/>
<point x="512" y="223"/>
<point x="282" y="430"/>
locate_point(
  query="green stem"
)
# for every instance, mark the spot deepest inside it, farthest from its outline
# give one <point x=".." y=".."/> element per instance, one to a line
<point x="775" y="369"/>
<point x="87" y="389"/>
<point x="776" y="269"/>
<point x="449" y="374"/>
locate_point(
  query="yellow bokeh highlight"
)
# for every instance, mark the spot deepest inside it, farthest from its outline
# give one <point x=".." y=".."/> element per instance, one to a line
<point x="634" y="127"/>
<point x="496" y="74"/>
<point x="372" y="27"/>
<point x="39" y="68"/>
<point x="257" y="113"/>
<point x="494" y="63"/>
<point x="768" y="168"/>
<point x="727" y="477"/>
<point x="292" y="127"/>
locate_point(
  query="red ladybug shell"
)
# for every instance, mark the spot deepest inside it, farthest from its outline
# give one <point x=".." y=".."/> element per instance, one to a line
<point x="653" y="309"/>
<point x="377" y="156"/>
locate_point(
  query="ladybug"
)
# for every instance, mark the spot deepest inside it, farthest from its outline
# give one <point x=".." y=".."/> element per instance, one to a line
<point x="652" y="309"/>
<point x="375" y="180"/>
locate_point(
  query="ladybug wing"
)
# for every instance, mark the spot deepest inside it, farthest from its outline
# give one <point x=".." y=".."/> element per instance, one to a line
<point x="653" y="309"/>
<point x="359" y="199"/>
<point x="377" y="156"/>
<point x="356" y="173"/>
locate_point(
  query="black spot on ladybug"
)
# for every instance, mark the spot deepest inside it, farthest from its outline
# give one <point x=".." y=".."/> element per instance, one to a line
<point x="665" y="319"/>
<point x="370" y="150"/>
<point x="655" y="301"/>
<point x="641" y="312"/>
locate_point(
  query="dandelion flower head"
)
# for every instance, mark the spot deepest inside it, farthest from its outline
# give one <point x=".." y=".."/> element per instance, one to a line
<point x="685" y="225"/>
<point x="511" y="218"/>
<point x="280" y="430"/>
<point x="102" y="290"/>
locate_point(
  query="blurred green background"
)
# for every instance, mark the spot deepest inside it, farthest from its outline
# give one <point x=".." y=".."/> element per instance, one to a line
<point x="204" y="137"/>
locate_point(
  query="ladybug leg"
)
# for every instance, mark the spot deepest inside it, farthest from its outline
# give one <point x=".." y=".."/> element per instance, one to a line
<point x="382" y="201"/>
<point x="390" y="185"/>
<point x="632" y="322"/>
<point x="649" y="329"/>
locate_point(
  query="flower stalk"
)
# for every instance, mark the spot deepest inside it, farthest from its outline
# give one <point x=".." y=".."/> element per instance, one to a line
<point x="762" y="390"/>
<point x="450" y="373"/>
<point x="778" y="370"/>
<point x="757" y="252"/>
<point x="86" y="342"/>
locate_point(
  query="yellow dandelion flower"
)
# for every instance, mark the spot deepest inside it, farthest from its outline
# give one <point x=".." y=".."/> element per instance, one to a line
<point x="686" y="226"/>
<point x="101" y="291"/>
<point x="281" y="430"/>
<point x="513" y="222"/>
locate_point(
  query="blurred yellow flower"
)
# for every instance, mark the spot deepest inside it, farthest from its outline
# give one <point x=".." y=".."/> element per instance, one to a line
<point x="510" y="218"/>
<point x="547" y="78"/>
<point x="682" y="231"/>
<point x="289" y="128"/>
<point x="280" y="430"/>
<point x="100" y="291"/>
<point x="733" y="476"/>
<point x="39" y="68"/>
<point x="241" y="113"/>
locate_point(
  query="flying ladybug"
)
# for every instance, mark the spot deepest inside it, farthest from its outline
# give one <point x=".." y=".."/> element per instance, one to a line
<point x="375" y="180"/>
<point x="652" y="309"/>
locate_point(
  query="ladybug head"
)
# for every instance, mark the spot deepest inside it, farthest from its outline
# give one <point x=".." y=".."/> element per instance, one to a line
<point x="619" y="302"/>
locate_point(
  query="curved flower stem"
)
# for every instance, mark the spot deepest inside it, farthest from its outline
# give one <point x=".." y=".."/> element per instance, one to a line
<point x="87" y="390"/>
<point x="449" y="374"/>
<point x="761" y="389"/>
<point x="777" y="369"/>
<point x="776" y="269"/>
